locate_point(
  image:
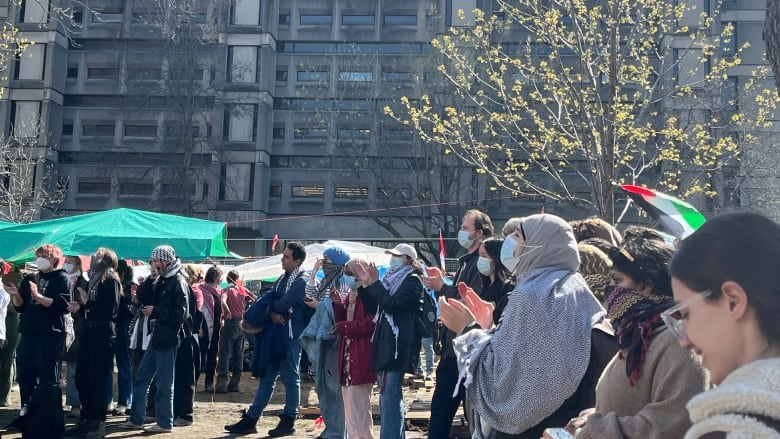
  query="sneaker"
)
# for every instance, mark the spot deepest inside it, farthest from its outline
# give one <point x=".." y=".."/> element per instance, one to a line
<point x="182" y="422"/>
<point x="23" y="411"/>
<point x="129" y="425"/>
<point x="150" y="419"/>
<point x="121" y="410"/>
<point x="155" y="428"/>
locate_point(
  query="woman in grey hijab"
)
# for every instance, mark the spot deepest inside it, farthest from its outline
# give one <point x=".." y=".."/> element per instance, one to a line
<point x="544" y="334"/>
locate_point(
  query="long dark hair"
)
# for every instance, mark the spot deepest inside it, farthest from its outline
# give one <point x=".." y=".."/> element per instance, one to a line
<point x="740" y="247"/>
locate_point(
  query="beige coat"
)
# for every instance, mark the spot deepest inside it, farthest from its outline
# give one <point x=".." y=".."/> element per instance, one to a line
<point x="655" y="406"/>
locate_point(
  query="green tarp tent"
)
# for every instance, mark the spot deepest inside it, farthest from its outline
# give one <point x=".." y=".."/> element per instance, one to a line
<point x="132" y="234"/>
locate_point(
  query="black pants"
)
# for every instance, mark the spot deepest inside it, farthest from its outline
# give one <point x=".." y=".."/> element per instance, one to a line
<point x="95" y="355"/>
<point x="443" y="405"/>
<point x="38" y="363"/>
<point x="184" y="380"/>
<point x="211" y="357"/>
<point x="204" y="343"/>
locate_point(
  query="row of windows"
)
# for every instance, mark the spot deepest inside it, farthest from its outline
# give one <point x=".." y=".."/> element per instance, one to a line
<point x="140" y="73"/>
<point x="331" y="162"/>
<point x="345" y="76"/>
<point x="103" y="187"/>
<point x="319" y="132"/>
<point x="172" y="130"/>
<point x="347" y="20"/>
<point x="348" y="192"/>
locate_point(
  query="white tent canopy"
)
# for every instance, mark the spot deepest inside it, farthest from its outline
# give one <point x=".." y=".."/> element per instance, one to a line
<point x="271" y="268"/>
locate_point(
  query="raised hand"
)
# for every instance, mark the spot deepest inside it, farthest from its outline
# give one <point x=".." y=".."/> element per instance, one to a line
<point x="362" y="273"/>
<point x="481" y="309"/>
<point x="434" y="279"/>
<point x="454" y="314"/>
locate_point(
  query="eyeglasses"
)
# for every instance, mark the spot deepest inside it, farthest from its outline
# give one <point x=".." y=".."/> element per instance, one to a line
<point x="675" y="316"/>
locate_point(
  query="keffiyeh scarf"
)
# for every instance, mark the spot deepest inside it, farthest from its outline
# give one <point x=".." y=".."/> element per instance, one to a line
<point x="635" y="317"/>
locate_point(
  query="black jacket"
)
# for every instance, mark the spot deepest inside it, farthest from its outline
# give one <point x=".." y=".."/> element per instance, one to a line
<point x="37" y="319"/>
<point x="403" y="306"/>
<point x="468" y="274"/>
<point x="168" y="296"/>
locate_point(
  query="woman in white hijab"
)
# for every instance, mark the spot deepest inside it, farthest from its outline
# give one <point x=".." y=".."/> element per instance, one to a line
<point x="526" y="373"/>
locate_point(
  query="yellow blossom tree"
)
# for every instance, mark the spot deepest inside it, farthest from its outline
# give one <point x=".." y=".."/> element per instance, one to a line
<point x="564" y="99"/>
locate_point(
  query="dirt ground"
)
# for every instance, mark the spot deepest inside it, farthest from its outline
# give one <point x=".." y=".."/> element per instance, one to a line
<point x="214" y="411"/>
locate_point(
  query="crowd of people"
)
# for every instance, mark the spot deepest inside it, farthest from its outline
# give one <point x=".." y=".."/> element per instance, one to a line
<point x="550" y="329"/>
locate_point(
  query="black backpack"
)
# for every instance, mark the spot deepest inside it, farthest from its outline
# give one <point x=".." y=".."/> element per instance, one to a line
<point x="425" y="323"/>
<point x="45" y="418"/>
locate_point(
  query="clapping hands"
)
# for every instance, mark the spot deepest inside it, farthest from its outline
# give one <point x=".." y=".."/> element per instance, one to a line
<point x="456" y="315"/>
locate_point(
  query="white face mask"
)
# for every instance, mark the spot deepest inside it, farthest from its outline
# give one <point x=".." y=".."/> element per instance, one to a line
<point x="485" y="266"/>
<point x="463" y="239"/>
<point x="43" y="264"/>
<point x="68" y="267"/>
<point x="508" y="257"/>
<point x="396" y="262"/>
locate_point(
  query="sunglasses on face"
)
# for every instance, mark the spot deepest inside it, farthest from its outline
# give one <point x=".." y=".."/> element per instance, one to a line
<point x="675" y="316"/>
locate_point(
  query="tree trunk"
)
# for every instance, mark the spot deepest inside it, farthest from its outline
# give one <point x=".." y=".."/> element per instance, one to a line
<point x="772" y="37"/>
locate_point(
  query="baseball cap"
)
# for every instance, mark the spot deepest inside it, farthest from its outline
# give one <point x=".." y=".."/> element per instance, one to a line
<point x="403" y="249"/>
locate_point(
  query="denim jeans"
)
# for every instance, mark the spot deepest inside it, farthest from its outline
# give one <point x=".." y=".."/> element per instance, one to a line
<point x="288" y="371"/>
<point x="156" y="364"/>
<point x="391" y="405"/>
<point x="427" y="344"/>
<point x="71" y="394"/>
<point x="123" y="380"/>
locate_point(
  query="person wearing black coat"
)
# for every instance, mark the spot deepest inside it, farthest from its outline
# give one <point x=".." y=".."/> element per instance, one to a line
<point x="163" y="300"/>
<point x="98" y="306"/>
<point x="396" y="346"/>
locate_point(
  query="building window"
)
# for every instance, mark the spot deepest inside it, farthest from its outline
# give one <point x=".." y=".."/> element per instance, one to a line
<point x="73" y="72"/>
<point x="278" y="133"/>
<point x="242" y="62"/>
<point x="354" y="134"/>
<point x="185" y="74"/>
<point x="109" y="16"/>
<point x="284" y="19"/>
<point x="148" y="131"/>
<point x="34" y="11"/>
<point x="304" y="76"/>
<point x="728" y="45"/>
<point x="357" y="20"/>
<point x="281" y="76"/>
<point x="175" y="130"/>
<point x="350" y="192"/>
<point x="97" y="130"/>
<point x="397" y="77"/>
<point x="241" y="123"/>
<point x="236" y="182"/>
<point x="400" y="20"/>
<point x="245" y="12"/>
<point x="143" y="74"/>
<point x="310" y="133"/>
<point x="356" y="76"/>
<point x="67" y="128"/>
<point x="316" y="19"/>
<point x="275" y="191"/>
<point x="31" y="63"/>
<point x="134" y="188"/>
<point x="308" y="191"/>
<point x="175" y="190"/>
<point x="94" y="187"/>
<point x="102" y="73"/>
<point x="26" y="118"/>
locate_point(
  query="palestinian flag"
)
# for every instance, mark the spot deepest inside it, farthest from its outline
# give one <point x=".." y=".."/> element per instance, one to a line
<point x="675" y="215"/>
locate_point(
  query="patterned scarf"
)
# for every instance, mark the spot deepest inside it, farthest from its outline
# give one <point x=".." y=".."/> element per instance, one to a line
<point x="95" y="276"/>
<point x="293" y="275"/>
<point x="635" y="317"/>
<point x="332" y="279"/>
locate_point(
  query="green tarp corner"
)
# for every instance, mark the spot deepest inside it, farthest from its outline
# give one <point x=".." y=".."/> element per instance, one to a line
<point x="131" y="233"/>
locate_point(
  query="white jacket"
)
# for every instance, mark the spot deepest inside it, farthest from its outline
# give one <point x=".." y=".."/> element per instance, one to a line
<point x="753" y="389"/>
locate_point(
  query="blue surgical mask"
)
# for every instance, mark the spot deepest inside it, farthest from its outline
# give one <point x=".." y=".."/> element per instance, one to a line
<point x="485" y="265"/>
<point x="463" y="239"/>
<point x="396" y="262"/>
<point x="351" y="281"/>
<point x="508" y="257"/>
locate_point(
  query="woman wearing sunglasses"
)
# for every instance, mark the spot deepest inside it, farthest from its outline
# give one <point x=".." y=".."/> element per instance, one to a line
<point x="726" y="284"/>
<point x="643" y="391"/>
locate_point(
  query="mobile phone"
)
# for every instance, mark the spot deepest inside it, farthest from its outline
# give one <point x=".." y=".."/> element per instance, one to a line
<point x="558" y="433"/>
